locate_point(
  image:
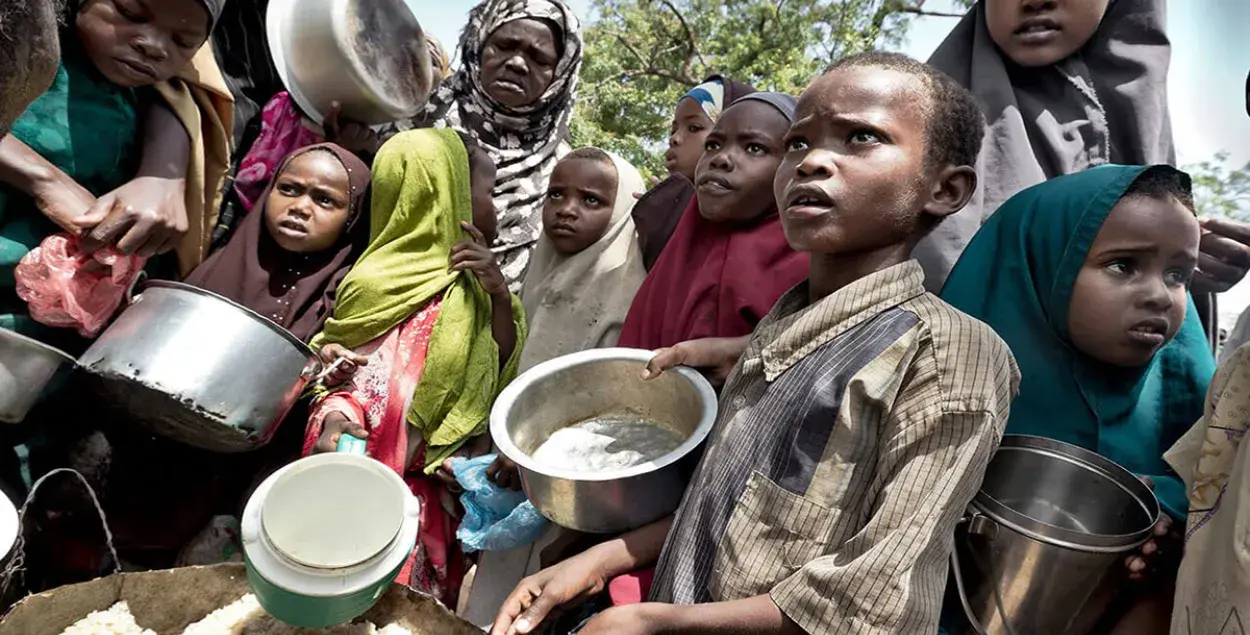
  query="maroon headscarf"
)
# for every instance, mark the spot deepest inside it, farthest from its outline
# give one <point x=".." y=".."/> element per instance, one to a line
<point x="296" y="291"/>
<point x="712" y="280"/>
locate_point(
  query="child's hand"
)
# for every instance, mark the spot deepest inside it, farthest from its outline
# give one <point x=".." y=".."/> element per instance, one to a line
<point x="1145" y="563"/>
<point x="473" y="448"/>
<point x="503" y="473"/>
<point x="475" y="256"/>
<point x="331" y="353"/>
<point x="336" y="424"/>
<point x="63" y="201"/>
<point x="146" y="216"/>
<point x="715" y="357"/>
<point x="356" y="138"/>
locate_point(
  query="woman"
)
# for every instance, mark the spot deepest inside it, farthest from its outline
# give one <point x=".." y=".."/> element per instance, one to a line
<point x="513" y="95"/>
<point x="288" y="283"/>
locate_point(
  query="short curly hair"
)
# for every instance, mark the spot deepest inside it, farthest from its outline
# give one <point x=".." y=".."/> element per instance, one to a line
<point x="1163" y="182"/>
<point x="954" y="124"/>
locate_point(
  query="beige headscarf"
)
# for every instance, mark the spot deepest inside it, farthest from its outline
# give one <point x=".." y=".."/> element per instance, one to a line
<point x="1213" y="586"/>
<point x="579" y="302"/>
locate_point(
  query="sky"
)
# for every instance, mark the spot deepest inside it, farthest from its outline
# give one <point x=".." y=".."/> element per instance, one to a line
<point x="1206" y="91"/>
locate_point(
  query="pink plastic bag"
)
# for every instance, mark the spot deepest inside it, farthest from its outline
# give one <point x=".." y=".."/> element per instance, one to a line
<point x="66" y="288"/>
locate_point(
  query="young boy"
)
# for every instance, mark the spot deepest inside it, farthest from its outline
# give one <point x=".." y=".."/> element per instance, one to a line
<point x="859" y="421"/>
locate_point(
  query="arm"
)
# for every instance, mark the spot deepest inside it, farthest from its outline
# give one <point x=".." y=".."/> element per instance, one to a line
<point x="751" y="616"/>
<point x="56" y="194"/>
<point x="147" y="215"/>
<point x="502" y="324"/>
<point x="891" y="575"/>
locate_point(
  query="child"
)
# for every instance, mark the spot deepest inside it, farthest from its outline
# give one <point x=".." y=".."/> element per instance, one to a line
<point x="586" y="267"/>
<point x="81" y="139"/>
<point x="428" y="324"/>
<point x="290" y="255"/>
<point x="859" y="422"/>
<point x="1086" y="278"/>
<point x="1064" y="87"/>
<point x="1213" y="588"/>
<point x="658" y="211"/>
<point x="728" y="260"/>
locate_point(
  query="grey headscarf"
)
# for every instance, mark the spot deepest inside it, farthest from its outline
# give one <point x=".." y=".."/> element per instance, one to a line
<point x="786" y="104"/>
<point x="1107" y="103"/>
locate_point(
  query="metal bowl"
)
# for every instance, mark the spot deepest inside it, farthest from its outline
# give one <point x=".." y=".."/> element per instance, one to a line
<point x="199" y="369"/>
<point x="26" y="368"/>
<point x="577" y="387"/>
<point x="368" y="55"/>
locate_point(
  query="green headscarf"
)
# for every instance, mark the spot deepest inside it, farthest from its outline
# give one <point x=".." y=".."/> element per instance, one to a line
<point x="420" y="196"/>
<point x="1017" y="276"/>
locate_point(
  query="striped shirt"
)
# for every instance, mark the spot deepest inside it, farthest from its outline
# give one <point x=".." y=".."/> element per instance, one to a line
<point x="852" y="435"/>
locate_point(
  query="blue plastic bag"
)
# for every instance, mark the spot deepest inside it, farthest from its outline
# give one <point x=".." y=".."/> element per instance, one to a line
<point x="495" y="519"/>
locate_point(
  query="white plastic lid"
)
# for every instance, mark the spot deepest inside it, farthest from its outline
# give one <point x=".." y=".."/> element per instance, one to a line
<point x="335" y="513"/>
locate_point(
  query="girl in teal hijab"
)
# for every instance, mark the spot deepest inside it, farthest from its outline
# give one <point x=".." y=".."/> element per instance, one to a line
<point x="1019" y="275"/>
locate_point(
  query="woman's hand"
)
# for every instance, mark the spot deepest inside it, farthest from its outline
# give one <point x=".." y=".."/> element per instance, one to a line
<point x="62" y="200"/>
<point x="335" y="425"/>
<point x="549" y="591"/>
<point x="1224" y="255"/>
<point x="147" y="216"/>
<point x="352" y="361"/>
<point x="503" y="472"/>
<point x="475" y="256"/>
<point x="356" y="138"/>
<point x="715" y="357"/>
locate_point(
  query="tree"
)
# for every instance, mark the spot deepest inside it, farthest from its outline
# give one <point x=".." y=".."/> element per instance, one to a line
<point x="1221" y="191"/>
<point x="642" y="55"/>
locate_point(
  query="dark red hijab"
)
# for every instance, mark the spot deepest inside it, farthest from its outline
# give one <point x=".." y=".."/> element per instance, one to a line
<point x="296" y="291"/>
<point x="712" y="280"/>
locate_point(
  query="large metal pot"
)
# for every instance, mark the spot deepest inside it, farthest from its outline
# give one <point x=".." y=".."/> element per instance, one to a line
<point x="1041" y="551"/>
<point x="577" y="387"/>
<point x="369" y="55"/>
<point x="26" y="368"/>
<point x="199" y="369"/>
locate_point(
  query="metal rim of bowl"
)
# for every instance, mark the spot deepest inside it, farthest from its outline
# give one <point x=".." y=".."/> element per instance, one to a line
<point x="276" y="19"/>
<point x="179" y="286"/>
<point x="498" y="414"/>
<point x="33" y="343"/>
<point x="1066" y="538"/>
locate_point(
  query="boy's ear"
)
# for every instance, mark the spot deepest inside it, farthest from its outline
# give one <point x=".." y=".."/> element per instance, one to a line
<point x="951" y="189"/>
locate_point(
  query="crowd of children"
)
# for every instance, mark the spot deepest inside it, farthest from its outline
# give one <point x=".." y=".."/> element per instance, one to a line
<point x="881" y="276"/>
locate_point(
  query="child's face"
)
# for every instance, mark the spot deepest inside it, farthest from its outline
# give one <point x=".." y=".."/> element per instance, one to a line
<point x="740" y="158"/>
<point x="580" y="196"/>
<point x="690" y="128"/>
<point x="481" y="182"/>
<point x="1130" y="295"/>
<point x="310" y="203"/>
<point x="1034" y="33"/>
<point x="141" y="42"/>
<point x="854" y="177"/>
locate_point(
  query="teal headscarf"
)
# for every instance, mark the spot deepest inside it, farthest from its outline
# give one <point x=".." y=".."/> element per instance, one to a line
<point x="1017" y="276"/>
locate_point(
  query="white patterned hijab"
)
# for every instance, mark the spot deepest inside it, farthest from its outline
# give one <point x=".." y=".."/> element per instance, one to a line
<point x="525" y="142"/>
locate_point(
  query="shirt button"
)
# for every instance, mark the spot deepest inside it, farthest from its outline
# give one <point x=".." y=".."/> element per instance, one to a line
<point x="739" y="402"/>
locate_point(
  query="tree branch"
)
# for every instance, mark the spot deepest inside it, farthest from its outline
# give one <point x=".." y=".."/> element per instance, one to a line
<point x="684" y="80"/>
<point x="916" y="10"/>
<point x="694" y="43"/>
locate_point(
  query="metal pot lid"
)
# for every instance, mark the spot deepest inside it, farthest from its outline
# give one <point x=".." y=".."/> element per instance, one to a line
<point x="1131" y="516"/>
<point x="333" y="515"/>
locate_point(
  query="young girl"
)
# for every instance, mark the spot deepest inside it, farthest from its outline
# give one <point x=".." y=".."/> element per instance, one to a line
<point x="427" y="322"/>
<point x="289" y="256"/>
<point x="658" y="211"/>
<point x="728" y="260"/>
<point x="82" y="139"/>
<point x="1086" y="278"/>
<point x="1089" y="88"/>
<point x="586" y="267"/>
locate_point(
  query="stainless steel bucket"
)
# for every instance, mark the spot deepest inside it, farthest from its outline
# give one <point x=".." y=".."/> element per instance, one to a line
<point x="26" y="368"/>
<point x="593" y="383"/>
<point x="199" y="369"/>
<point x="1042" y="548"/>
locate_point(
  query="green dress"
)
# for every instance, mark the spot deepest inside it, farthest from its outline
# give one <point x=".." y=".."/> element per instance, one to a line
<point x="87" y="127"/>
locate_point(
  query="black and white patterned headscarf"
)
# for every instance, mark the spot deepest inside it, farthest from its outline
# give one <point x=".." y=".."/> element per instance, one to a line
<point x="525" y="141"/>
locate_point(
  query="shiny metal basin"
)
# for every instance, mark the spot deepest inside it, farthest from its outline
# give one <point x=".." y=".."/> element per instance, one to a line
<point x="577" y="387"/>
<point x="26" y="368"/>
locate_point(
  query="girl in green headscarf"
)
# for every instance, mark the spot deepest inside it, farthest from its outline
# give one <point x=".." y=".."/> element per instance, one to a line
<point x="425" y="323"/>
<point x="1085" y="276"/>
